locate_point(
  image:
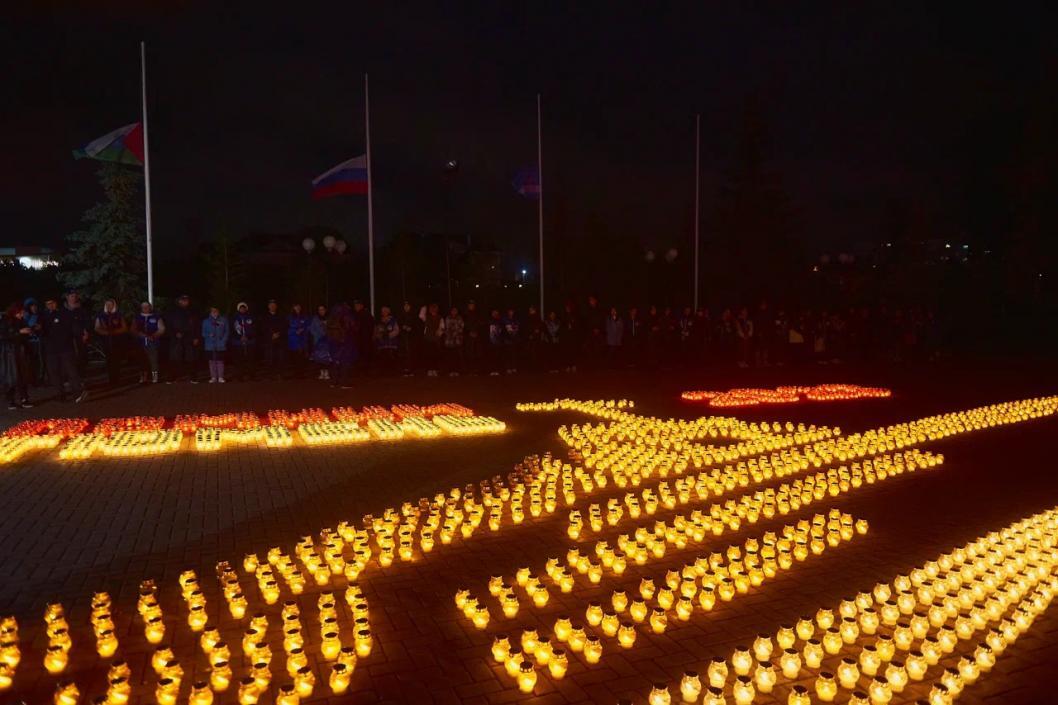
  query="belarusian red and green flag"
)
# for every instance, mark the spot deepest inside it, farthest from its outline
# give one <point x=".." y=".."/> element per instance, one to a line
<point x="124" y="146"/>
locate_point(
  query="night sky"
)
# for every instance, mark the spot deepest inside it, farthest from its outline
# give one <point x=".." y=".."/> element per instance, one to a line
<point x="866" y="104"/>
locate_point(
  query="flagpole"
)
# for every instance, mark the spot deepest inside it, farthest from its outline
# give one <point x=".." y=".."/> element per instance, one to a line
<point x="146" y="172"/>
<point x="540" y="200"/>
<point x="370" y="198"/>
<point x="697" y="191"/>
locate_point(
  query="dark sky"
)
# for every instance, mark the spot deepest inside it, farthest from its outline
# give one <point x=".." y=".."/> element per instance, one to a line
<point x="866" y="102"/>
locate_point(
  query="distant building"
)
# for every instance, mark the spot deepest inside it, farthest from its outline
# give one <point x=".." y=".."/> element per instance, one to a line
<point x="29" y="256"/>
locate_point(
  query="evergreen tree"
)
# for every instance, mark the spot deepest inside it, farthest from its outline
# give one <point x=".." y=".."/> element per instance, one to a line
<point x="108" y="257"/>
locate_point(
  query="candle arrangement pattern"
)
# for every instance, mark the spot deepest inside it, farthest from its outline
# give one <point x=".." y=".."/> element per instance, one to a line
<point x="755" y="396"/>
<point x="935" y="630"/>
<point x="697" y="587"/>
<point x="304" y="605"/>
<point x="129" y="436"/>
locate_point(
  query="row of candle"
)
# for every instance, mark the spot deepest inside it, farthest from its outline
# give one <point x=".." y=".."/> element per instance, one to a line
<point x="647" y="446"/>
<point x="795" y="460"/>
<point x="189" y="423"/>
<point x="691" y="489"/>
<point x="649" y="544"/>
<point x="939" y="604"/>
<point x="256" y="652"/>
<point x="741" y="566"/>
<point x="754" y="396"/>
<point x="233" y="420"/>
<point x="129" y="443"/>
<point x="14" y="447"/>
<point x="392" y="520"/>
<point x="603" y="408"/>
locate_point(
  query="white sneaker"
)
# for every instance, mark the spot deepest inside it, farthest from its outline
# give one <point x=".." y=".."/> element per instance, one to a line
<point x="221" y="380"/>
<point x="212" y="380"/>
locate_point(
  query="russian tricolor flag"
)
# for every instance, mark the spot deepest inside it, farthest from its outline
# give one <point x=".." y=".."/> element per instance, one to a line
<point x="348" y="178"/>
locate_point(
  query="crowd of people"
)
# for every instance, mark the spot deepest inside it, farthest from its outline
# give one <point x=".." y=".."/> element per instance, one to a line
<point x="52" y="345"/>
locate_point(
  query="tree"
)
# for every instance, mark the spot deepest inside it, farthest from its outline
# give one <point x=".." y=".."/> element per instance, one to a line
<point x="108" y="258"/>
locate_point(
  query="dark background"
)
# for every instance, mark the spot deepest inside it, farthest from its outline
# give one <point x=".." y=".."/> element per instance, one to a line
<point x="859" y="125"/>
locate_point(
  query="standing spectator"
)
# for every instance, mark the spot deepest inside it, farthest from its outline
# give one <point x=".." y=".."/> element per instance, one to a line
<point x="61" y="331"/>
<point x="365" y="336"/>
<point x="273" y="339"/>
<point x="512" y="340"/>
<point x="727" y="337"/>
<point x="148" y="329"/>
<point x="111" y="328"/>
<point x="533" y="333"/>
<point x="701" y="337"/>
<point x="796" y="337"/>
<point x="763" y="335"/>
<point x="387" y="340"/>
<point x="615" y="331"/>
<point x="454" y="327"/>
<point x="184" y="329"/>
<point x="669" y="337"/>
<point x="744" y="331"/>
<point x="635" y="335"/>
<point x="36" y="349"/>
<point x="595" y="321"/>
<point x="297" y="335"/>
<point x="343" y="345"/>
<point x="321" y="348"/>
<point x="244" y="340"/>
<point x="570" y="339"/>
<point x="495" y="342"/>
<point x="685" y="328"/>
<point x="215" y="342"/>
<point x="409" y="340"/>
<point x="781" y="337"/>
<point x="433" y="326"/>
<point x="552" y="342"/>
<point x="14" y="356"/>
<point x="83" y="324"/>
<point x="474" y="335"/>
<point x="655" y="336"/>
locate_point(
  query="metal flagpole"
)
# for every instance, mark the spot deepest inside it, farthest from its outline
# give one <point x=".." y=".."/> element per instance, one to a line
<point x="146" y="172"/>
<point x="697" y="190"/>
<point x="540" y="204"/>
<point x="370" y="198"/>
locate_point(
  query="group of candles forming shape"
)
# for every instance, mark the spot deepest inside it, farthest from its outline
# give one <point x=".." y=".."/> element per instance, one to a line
<point x="943" y="623"/>
<point x="153" y="435"/>
<point x="255" y="649"/>
<point x="698" y="585"/>
<point x="754" y="396"/>
<point x="626" y="450"/>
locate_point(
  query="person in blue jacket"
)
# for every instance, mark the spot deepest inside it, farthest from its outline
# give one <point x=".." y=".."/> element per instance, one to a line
<point x="298" y="338"/>
<point x="215" y="342"/>
<point x="147" y="330"/>
<point x="244" y="340"/>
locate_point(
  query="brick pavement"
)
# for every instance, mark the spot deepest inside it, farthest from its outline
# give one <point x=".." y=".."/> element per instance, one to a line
<point x="70" y="529"/>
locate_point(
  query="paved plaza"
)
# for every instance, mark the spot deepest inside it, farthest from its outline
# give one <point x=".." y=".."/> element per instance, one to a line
<point x="69" y="529"/>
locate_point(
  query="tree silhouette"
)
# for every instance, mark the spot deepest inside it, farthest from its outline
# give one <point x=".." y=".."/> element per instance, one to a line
<point x="108" y="258"/>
